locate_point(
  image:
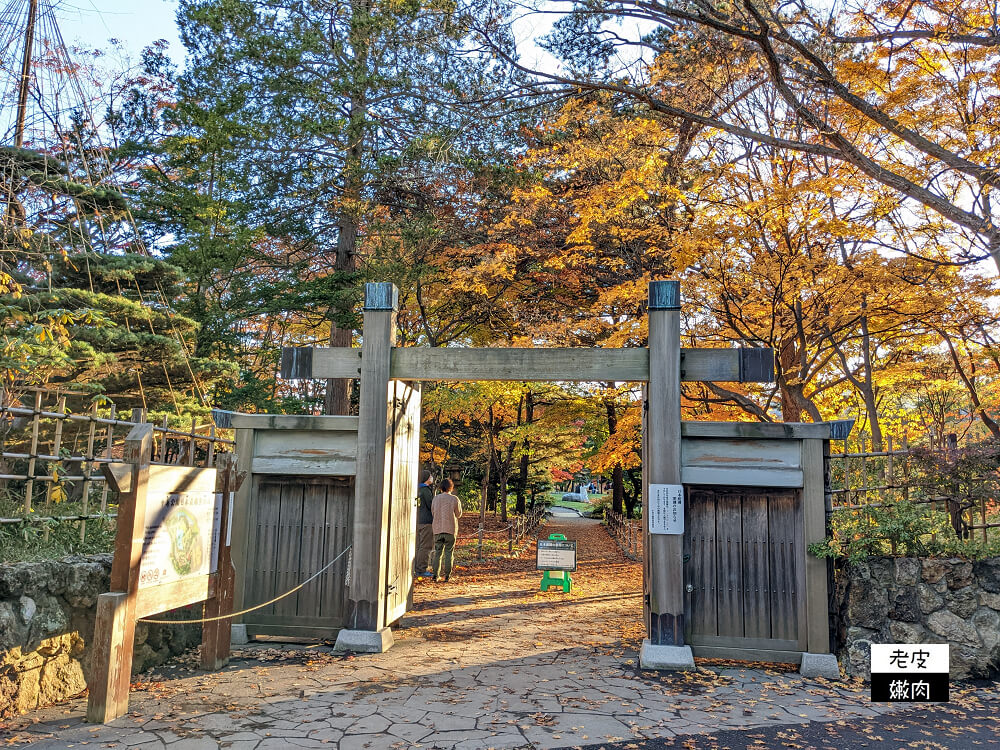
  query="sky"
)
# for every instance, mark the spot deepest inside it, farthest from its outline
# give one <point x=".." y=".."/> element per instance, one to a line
<point x="138" y="23"/>
<point x="135" y="23"/>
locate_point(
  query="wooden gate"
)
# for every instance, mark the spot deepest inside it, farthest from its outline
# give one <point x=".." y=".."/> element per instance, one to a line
<point x="404" y="437"/>
<point x="297" y="524"/>
<point x="749" y="598"/>
<point x="299" y="509"/>
<point x="745" y="573"/>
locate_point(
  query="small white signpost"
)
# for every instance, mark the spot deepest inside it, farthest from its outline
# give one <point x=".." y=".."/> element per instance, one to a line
<point x="666" y="509"/>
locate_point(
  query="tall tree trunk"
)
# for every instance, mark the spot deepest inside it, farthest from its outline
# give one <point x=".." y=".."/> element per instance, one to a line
<point x="970" y="386"/>
<point x="520" y="504"/>
<point x="632" y="498"/>
<point x="483" y="492"/>
<point x="868" y="390"/>
<point x="502" y="493"/>
<point x="793" y="399"/>
<point x="525" y="461"/>
<point x="617" y="477"/>
<point x="790" y="409"/>
<point x="338" y="390"/>
<point x="491" y="492"/>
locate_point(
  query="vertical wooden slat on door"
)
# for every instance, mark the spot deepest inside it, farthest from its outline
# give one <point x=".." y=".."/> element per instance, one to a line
<point x="287" y="571"/>
<point x="339" y="504"/>
<point x="701" y="610"/>
<point x="263" y="560"/>
<point x="756" y="578"/>
<point x="729" y="541"/>
<point x="783" y="520"/>
<point x="315" y="545"/>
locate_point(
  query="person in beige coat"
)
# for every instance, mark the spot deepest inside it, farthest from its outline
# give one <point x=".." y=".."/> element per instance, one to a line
<point x="446" y="509"/>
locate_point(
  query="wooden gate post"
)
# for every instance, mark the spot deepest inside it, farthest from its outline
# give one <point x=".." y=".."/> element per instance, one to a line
<point x="664" y="649"/>
<point x="216" y="636"/>
<point x="114" y="628"/>
<point x="366" y="629"/>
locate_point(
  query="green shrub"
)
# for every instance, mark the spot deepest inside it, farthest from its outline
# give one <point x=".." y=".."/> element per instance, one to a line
<point x="898" y="528"/>
<point x="903" y="529"/>
<point x="966" y="479"/>
<point x="27" y="540"/>
<point x="468" y="491"/>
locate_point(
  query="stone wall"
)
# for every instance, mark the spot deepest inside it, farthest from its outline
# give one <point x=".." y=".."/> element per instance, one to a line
<point x="47" y="614"/>
<point x="920" y="600"/>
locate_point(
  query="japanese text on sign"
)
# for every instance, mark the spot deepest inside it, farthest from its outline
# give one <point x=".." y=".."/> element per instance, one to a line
<point x="555" y="555"/>
<point x="905" y="672"/>
<point x="666" y="509"/>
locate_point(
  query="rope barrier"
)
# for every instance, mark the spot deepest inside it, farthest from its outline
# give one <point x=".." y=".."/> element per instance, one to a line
<point x="251" y="609"/>
<point x="532" y="519"/>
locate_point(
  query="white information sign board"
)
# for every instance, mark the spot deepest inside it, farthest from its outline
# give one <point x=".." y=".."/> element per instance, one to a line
<point x="666" y="509"/>
<point x="181" y="537"/>
<point x="555" y="555"/>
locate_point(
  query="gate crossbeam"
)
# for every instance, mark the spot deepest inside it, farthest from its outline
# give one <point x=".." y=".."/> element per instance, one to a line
<point x="745" y="365"/>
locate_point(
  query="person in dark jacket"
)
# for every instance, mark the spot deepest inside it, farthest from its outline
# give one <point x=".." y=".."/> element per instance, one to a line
<point x="425" y="523"/>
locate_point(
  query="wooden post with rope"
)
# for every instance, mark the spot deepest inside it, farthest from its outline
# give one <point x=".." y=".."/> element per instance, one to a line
<point x="171" y="550"/>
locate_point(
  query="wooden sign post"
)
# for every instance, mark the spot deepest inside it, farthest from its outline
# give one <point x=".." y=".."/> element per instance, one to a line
<point x="171" y="550"/>
<point x="662" y="366"/>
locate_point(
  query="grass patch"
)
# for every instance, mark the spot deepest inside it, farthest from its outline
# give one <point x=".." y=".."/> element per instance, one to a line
<point x="33" y="539"/>
<point x="591" y="506"/>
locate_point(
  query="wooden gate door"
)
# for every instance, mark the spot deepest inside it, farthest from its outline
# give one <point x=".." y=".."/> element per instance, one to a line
<point x="297" y="524"/>
<point x="745" y="573"/>
<point x="404" y="400"/>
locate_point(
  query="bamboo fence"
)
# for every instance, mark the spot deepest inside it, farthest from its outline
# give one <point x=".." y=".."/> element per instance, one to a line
<point x="866" y="478"/>
<point x="50" y="456"/>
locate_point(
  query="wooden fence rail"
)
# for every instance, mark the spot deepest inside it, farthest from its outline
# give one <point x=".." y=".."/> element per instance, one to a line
<point x="514" y="533"/>
<point x="626" y="532"/>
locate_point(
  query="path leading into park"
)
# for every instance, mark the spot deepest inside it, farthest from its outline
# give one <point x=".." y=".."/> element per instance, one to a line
<point x="487" y="661"/>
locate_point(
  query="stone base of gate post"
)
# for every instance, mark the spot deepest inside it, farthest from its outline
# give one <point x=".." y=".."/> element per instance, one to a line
<point x="675" y="658"/>
<point x="364" y="641"/>
<point x="820" y="665"/>
<point x="239" y="635"/>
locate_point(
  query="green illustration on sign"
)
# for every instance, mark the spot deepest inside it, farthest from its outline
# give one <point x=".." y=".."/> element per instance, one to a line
<point x="181" y="536"/>
<point x="185" y="542"/>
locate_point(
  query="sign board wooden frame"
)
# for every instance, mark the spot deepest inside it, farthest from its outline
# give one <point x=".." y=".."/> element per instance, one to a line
<point x="117" y="611"/>
<point x="555" y="554"/>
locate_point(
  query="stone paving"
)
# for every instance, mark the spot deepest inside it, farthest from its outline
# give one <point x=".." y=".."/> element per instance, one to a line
<point x="486" y="661"/>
